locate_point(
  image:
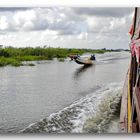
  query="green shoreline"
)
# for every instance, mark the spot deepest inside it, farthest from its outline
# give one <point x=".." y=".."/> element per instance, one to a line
<point x="15" y="56"/>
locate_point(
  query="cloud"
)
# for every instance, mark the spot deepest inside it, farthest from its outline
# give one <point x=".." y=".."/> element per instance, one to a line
<point x="3" y="23"/>
<point x="82" y="36"/>
<point x="29" y="20"/>
<point x="23" y="16"/>
<point x="67" y="21"/>
<point x="63" y="20"/>
<point x="108" y="25"/>
<point x="60" y="25"/>
<point x="24" y="19"/>
<point x="103" y="12"/>
<point x="13" y="9"/>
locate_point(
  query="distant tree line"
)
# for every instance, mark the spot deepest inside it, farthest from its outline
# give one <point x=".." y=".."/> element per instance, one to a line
<point x="15" y="56"/>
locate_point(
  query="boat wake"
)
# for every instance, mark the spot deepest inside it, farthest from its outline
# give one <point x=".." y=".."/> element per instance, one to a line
<point x="111" y="57"/>
<point x="91" y="114"/>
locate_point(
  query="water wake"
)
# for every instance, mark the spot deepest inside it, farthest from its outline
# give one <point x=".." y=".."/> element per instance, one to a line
<point x="111" y="57"/>
<point x="91" y="114"/>
<point x="106" y="116"/>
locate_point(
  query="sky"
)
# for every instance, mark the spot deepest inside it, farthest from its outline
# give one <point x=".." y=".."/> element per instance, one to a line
<point x="67" y="27"/>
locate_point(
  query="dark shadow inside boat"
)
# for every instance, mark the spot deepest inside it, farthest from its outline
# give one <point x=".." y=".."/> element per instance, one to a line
<point x="81" y="70"/>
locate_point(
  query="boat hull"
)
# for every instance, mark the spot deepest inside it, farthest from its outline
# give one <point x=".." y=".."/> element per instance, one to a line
<point x="84" y="61"/>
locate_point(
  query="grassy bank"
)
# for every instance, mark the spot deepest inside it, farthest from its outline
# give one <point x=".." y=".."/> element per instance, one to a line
<point x="15" y="56"/>
<point x="9" y="61"/>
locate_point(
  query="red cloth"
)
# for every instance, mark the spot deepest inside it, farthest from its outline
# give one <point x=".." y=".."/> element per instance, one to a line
<point x="131" y="30"/>
<point x="135" y="49"/>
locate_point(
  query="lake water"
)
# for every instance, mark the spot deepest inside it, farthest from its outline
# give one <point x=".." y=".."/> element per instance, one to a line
<point x="63" y="97"/>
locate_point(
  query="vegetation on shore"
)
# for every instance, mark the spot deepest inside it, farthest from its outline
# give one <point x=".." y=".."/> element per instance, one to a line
<point x="15" y="56"/>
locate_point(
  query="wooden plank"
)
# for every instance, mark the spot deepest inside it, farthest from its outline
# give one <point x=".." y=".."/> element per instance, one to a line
<point x="129" y="107"/>
<point x="134" y="127"/>
<point x="137" y="102"/>
<point x="123" y="112"/>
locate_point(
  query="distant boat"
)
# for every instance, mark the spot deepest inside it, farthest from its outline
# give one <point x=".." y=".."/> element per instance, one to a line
<point x="85" y="60"/>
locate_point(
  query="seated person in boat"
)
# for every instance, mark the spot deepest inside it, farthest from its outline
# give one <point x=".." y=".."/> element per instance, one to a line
<point x="92" y="57"/>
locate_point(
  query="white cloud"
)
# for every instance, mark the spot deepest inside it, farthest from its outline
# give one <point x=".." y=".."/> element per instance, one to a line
<point x="98" y="24"/>
<point x="3" y="23"/>
<point x="49" y="32"/>
<point x="23" y="16"/>
<point x="83" y="36"/>
<point x="65" y="26"/>
<point x="23" y="20"/>
<point x="28" y="25"/>
<point x="92" y="22"/>
<point x="117" y="23"/>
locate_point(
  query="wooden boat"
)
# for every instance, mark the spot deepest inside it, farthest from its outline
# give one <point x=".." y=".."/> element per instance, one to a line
<point x="130" y="104"/>
<point x="84" y="60"/>
<point x="73" y="56"/>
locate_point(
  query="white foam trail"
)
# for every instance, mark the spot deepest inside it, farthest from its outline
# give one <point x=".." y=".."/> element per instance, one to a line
<point x="72" y="119"/>
<point x="91" y="107"/>
<point x="108" y="57"/>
